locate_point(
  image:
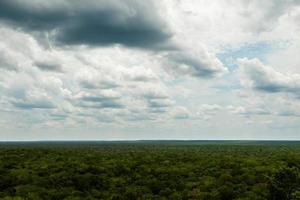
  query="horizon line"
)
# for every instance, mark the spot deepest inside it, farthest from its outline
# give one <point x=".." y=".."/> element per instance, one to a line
<point x="141" y="140"/>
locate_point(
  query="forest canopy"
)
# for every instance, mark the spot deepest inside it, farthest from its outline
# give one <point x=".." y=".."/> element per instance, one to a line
<point x="150" y="171"/>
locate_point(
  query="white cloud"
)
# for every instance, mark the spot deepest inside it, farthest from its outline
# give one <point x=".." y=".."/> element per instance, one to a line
<point x="264" y="78"/>
<point x="250" y="111"/>
<point x="195" y="62"/>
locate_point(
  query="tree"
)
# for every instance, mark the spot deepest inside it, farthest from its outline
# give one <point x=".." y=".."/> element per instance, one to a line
<point x="284" y="184"/>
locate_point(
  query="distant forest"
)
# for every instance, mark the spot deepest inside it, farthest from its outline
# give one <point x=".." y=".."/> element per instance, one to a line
<point x="149" y="171"/>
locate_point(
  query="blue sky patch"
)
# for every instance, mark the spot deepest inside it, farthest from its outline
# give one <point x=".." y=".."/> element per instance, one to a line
<point x="255" y="50"/>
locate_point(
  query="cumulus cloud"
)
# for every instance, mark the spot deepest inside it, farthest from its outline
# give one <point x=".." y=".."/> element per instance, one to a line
<point x="140" y="74"/>
<point x="93" y="79"/>
<point x="196" y="63"/>
<point x="154" y="97"/>
<point x="31" y="98"/>
<point x="152" y="92"/>
<point x="130" y="22"/>
<point x="159" y="105"/>
<point x="32" y="90"/>
<point x="264" y="78"/>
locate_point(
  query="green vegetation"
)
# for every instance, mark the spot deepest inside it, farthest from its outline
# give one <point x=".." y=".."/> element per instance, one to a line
<point x="149" y="171"/>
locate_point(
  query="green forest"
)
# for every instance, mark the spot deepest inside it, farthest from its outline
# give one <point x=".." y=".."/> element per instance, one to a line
<point x="150" y="171"/>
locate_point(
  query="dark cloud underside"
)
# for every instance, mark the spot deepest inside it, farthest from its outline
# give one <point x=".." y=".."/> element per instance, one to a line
<point x="128" y="22"/>
<point x="34" y="105"/>
<point x="49" y="66"/>
<point x="101" y="101"/>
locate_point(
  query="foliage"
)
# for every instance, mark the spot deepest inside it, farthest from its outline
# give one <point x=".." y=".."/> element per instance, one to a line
<point x="149" y="171"/>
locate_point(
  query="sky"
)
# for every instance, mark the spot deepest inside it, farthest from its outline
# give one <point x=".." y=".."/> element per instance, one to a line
<point x="149" y="69"/>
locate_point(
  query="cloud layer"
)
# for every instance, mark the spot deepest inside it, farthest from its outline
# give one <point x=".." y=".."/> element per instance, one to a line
<point x="137" y="69"/>
<point x="100" y="23"/>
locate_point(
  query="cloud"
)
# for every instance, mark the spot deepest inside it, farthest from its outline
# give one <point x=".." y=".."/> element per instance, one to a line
<point x="210" y="107"/>
<point x="7" y="61"/>
<point x="140" y="74"/>
<point x="104" y="99"/>
<point x="34" y="104"/>
<point x="90" y="78"/>
<point x="206" y="111"/>
<point x="152" y="92"/>
<point x="99" y="84"/>
<point x="32" y="98"/>
<point x="58" y="116"/>
<point x="196" y="63"/>
<point x="181" y="113"/>
<point x="264" y="78"/>
<point x="96" y="22"/>
<point x="262" y="16"/>
<point x="155" y="97"/>
<point x="134" y="66"/>
<point x="131" y="23"/>
<point x="34" y="89"/>
<point x="104" y="103"/>
<point x="249" y="111"/>
<point x="49" y="66"/>
<point x="159" y="105"/>
<point x="21" y="52"/>
<point x="289" y="113"/>
<point x="138" y="116"/>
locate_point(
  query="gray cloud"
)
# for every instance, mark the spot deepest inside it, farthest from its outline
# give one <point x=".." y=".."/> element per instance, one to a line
<point x="154" y="93"/>
<point x="48" y="66"/>
<point x="101" y="84"/>
<point x="128" y="22"/>
<point x="105" y="100"/>
<point x="108" y="103"/>
<point x="159" y="103"/>
<point x="289" y="113"/>
<point x="157" y="100"/>
<point x="33" y="105"/>
<point x="58" y="117"/>
<point x="264" y="78"/>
